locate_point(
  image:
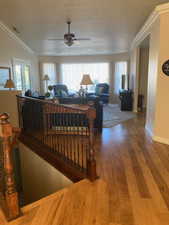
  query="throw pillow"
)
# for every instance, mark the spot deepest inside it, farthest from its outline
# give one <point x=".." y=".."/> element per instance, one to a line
<point x="64" y="93"/>
<point x="58" y="93"/>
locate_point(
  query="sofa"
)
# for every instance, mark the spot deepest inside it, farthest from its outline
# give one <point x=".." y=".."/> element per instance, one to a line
<point x="97" y="105"/>
<point x="61" y="90"/>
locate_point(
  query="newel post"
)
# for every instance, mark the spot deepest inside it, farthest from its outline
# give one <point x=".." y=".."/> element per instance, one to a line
<point x="91" y="164"/>
<point x="12" y="210"/>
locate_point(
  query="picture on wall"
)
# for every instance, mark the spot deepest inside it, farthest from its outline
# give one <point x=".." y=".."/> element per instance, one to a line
<point x="5" y="74"/>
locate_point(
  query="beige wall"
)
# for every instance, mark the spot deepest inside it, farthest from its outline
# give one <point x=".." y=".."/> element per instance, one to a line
<point x="161" y="130"/>
<point x="39" y="178"/>
<point x="8" y="104"/>
<point x="11" y="48"/>
<point x="87" y="59"/>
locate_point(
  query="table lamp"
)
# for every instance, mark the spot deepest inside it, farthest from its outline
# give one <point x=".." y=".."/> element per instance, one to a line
<point x="9" y="84"/>
<point x="86" y="80"/>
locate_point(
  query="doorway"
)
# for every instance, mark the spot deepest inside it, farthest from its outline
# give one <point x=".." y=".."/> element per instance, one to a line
<point x="143" y="75"/>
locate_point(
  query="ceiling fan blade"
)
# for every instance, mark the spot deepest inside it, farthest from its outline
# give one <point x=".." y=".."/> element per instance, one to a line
<point x="82" y="39"/>
<point x="55" y="39"/>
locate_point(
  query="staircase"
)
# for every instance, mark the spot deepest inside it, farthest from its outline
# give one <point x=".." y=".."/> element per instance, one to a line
<point x="83" y="203"/>
<point x="61" y="135"/>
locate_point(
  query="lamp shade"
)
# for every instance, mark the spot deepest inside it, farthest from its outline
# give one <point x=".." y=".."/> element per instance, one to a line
<point x="46" y="77"/>
<point x="86" y="80"/>
<point x="9" y="84"/>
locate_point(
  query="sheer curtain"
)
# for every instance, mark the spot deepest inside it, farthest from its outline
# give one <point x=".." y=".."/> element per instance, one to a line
<point x="120" y="69"/>
<point x="72" y="74"/>
<point x="50" y="70"/>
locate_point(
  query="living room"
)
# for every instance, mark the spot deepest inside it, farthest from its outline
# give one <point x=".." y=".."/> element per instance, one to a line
<point x="131" y="159"/>
<point x="104" y="70"/>
<point x="50" y="50"/>
<point x="32" y="78"/>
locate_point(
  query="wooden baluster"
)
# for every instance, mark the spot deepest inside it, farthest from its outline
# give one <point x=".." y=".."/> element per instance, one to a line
<point x="16" y="133"/>
<point x="91" y="163"/>
<point x="11" y="196"/>
<point x="77" y="148"/>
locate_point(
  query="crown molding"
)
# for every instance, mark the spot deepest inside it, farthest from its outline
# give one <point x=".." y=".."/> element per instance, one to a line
<point x="163" y="8"/>
<point x="15" y="37"/>
<point x="145" y="30"/>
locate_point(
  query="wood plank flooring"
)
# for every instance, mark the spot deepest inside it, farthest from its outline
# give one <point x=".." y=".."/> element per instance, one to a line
<point x="133" y="188"/>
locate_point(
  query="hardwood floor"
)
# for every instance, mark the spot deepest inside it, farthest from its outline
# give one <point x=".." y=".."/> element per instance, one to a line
<point x="133" y="188"/>
<point x="136" y="171"/>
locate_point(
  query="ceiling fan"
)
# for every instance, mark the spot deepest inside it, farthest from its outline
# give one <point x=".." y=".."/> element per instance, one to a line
<point x="69" y="38"/>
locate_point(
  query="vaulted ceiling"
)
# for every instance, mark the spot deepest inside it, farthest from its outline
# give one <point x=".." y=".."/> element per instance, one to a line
<point x="111" y="24"/>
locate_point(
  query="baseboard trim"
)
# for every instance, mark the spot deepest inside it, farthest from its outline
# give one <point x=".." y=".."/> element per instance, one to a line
<point x="161" y="140"/>
<point x="156" y="138"/>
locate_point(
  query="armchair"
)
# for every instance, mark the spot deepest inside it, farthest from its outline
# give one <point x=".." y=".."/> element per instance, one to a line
<point x="102" y="91"/>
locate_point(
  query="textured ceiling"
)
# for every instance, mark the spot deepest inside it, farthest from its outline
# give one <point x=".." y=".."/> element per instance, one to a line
<point x="110" y="24"/>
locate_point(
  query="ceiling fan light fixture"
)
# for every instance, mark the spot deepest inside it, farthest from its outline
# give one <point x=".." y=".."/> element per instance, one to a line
<point x="69" y="43"/>
<point x="69" y="38"/>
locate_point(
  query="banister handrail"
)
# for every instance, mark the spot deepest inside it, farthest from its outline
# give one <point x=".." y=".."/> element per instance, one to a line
<point x="64" y="131"/>
<point x="74" y="107"/>
<point x="10" y="203"/>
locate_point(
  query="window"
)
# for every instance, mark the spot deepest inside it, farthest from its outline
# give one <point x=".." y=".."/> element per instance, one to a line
<point x="22" y="74"/>
<point x="120" y="69"/>
<point x="18" y="76"/>
<point x="50" y="70"/>
<point x="72" y="74"/>
<point x="27" y="83"/>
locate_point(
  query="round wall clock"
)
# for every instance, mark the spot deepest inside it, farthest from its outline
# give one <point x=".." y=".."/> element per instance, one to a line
<point x="165" y="68"/>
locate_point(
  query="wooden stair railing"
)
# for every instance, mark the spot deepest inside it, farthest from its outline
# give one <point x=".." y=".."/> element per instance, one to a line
<point x="9" y="196"/>
<point x="91" y="164"/>
<point x="63" y="135"/>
